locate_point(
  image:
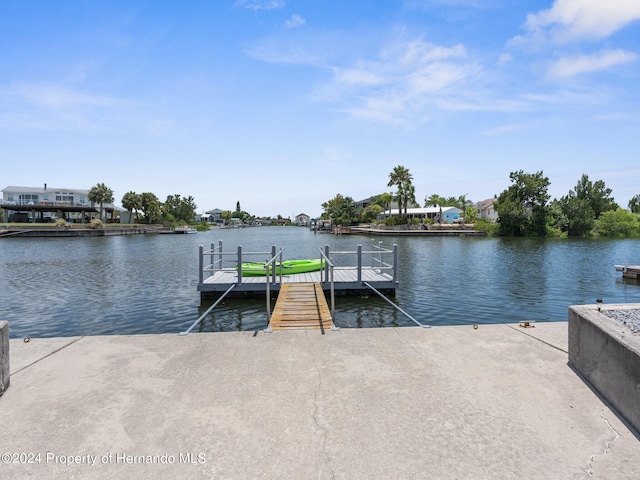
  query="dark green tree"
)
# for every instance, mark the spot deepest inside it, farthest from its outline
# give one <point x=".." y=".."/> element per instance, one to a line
<point x="596" y="194"/>
<point x="180" y="209"/>
<point x="340" y="209"/>
<point x="634" y="204"/>
<point x="132" y="202"/>
<point x="580" y="218"/>
<point x="583" y="205"/>
<point x="522" y="208"/>
<point x="100" y="194"/>
<point x="150" y="207"/>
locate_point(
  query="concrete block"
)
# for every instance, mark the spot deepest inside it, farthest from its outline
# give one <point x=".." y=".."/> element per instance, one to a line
<point x="607" y="354"/>
<point x="4" y="356"/>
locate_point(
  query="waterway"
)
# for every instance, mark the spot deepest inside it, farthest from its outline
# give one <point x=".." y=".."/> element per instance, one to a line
<point x="147" y="284"/>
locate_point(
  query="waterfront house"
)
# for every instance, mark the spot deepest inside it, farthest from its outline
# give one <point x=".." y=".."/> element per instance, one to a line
<point x="302" y="219"/>
<point x="43" y="204"/>
<point x="437" y="214"/>
<point x="213" y="216"/>
<point x="486" y="209"/>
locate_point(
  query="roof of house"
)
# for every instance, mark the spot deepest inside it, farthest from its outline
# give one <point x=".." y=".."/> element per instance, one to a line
<point x="13" y="189"/>
<point x="484" y="204"/>
<point x="426" y="210"/>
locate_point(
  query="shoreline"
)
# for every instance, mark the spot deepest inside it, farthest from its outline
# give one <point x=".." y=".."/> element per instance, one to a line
<point x="80" y="230"/>
<point x="417" y="231"/>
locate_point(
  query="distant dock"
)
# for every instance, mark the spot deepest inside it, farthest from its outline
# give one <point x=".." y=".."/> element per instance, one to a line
<point x="631" y="271"/>
<point x="424" y="230"/>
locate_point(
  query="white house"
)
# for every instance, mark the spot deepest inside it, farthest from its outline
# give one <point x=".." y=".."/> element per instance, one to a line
<point x="46" y="196"/>
<point x="42" y="203"/>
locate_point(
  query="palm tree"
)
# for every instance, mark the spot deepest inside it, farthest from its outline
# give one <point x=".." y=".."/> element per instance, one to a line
<point x="434" y="200"/>
<point x="132" y="202"/>
<point x="409" y="196"/>
<point x="462" y="204"/>
<point x="384" y="200"/>
<point x="101" y="194"/>
<point x="401" y="178"/>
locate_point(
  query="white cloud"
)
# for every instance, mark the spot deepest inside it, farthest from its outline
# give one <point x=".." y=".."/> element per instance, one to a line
<point x="357" y="76"/>
<point x="570" y="66"/>
<point x="504" y="129"/>
<point x="260" y="4"/>
<point x="29" y="106"/>
<point x="570" y="20"/>
<point x="50" y="96"/>
<point x="504" y="59"/>
<point x="295" y="21"/>
<point x="403" y="82"/>
<point x="423" y="4"/>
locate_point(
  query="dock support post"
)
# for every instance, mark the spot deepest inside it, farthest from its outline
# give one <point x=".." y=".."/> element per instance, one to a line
<point x="273" y="271"/>
<point x="201" y="264"/>
<point x="395" y="262"/>
<point x="326" y="265"/>
<point x="239" y="264"/>
<point x="220" y="254"/>
<point x="5" y="372"/>
<point x="359" y="263"/>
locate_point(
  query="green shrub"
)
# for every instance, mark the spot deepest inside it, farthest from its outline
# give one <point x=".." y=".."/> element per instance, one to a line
<point x="96" y="223"/>
<point x="487" y="226"/>
<point x="60" y="222"/>
<point x="618" y="223"/>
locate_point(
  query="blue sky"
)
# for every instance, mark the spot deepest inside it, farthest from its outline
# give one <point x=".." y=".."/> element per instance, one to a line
<point x="282" y="104"/>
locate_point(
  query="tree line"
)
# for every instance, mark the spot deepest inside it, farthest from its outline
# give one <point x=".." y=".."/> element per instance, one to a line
<point x="524" y="208"/>
<point x="175" y="210"/>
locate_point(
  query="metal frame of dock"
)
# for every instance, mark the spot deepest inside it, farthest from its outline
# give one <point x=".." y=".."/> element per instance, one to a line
<point x="218" y="271"/>
<point x="303" y="302"/>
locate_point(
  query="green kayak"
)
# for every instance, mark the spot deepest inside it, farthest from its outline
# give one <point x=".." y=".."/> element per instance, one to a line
<point x="288" y="267"/>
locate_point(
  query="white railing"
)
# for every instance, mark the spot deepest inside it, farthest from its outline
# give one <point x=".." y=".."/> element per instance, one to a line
<point x="378" y="256"/>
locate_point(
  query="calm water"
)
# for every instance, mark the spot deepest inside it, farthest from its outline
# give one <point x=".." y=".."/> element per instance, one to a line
<point x="147" y="284"/>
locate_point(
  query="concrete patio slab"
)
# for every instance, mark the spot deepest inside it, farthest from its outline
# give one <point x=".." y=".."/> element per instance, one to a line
<point x="496" y="402"/>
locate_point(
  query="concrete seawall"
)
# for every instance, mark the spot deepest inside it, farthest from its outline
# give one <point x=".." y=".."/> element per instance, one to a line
<point x="496" y="402"/>
<point x="608" y="355"/>
<point x="77" y="230"/>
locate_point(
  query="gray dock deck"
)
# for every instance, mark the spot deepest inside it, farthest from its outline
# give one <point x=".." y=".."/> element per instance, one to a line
<point x="345" y="280"/>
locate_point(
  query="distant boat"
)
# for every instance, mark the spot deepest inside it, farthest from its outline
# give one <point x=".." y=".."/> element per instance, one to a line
<point x="288" y="267"/>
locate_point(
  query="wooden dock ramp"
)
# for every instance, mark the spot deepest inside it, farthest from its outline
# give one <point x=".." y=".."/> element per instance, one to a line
<point x="301" y="306"/>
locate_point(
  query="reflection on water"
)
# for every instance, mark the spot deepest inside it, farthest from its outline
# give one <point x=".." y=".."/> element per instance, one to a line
<point x="147" y="284"/>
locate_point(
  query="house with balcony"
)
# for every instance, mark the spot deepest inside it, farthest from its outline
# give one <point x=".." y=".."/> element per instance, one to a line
<point x="44" y="204"/>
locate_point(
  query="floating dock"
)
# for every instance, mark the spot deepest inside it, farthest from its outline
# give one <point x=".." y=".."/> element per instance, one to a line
<point x="377" y="267"/>
<point x="631" y="271"/>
